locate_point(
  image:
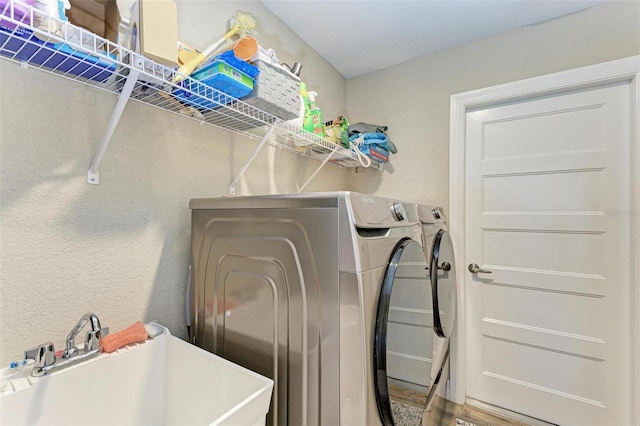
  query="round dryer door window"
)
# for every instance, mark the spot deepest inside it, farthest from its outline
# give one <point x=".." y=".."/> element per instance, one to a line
<point x="443" y="284"/>
<point x="404" y="338"/>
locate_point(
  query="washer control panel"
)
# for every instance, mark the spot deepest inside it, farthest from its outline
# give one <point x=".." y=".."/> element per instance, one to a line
<point x="370" y="211"/>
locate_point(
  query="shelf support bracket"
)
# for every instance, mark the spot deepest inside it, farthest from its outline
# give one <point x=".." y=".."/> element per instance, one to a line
<point x="325" y="161"/>
<point x="93" y="175"/>
<point x="256" y="150"/>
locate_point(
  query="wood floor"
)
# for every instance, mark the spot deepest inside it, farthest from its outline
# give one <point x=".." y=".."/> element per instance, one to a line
<point x="443" y="412"/>
<point x="405" y="395"/>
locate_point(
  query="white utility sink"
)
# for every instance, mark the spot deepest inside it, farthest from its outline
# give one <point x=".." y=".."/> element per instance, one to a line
<point x="164" y="381"/>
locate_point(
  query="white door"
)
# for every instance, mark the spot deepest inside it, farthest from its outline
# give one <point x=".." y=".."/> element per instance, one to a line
<point x="547" y="213"/>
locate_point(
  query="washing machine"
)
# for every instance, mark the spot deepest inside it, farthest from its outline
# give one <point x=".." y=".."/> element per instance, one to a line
<point x="302" y="289"/>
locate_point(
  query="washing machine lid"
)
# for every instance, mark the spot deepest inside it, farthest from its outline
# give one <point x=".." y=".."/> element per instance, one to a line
<point x="366" y="211"/>
<point x="278" y="201"/>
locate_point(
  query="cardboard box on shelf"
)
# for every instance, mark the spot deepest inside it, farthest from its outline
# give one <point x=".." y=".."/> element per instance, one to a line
<point x="159" y="31"/>
<point x="98" y="16"/>
<point x="153" y="30"/>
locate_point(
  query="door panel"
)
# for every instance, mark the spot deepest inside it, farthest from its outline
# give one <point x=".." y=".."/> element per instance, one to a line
<point x="575" y="130"/>
<point x="529" y="366"/>
<point x="546" y="329"/>
<point x="544" y="251"/>
<point x="574" y="191"/>
<point x="506" y="303"/>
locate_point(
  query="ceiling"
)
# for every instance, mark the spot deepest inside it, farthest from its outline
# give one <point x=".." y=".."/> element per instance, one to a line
<point x="358" y="37"/>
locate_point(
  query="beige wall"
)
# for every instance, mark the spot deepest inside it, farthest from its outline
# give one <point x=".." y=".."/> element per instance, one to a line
<point x="413" y="98"/>
<point x="121" y="248"/>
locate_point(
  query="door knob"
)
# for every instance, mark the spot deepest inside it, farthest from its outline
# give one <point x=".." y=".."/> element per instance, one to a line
<point x="446" y="266"/>
<point x="474" y="268"/>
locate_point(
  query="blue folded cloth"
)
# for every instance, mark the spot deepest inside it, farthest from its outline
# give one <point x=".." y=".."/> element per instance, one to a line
<point x="374" y="145"/>
<point x="372" y="138"/>
<point x="372" y="128"/>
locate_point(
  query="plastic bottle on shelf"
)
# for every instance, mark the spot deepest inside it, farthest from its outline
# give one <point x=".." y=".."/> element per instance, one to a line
<point x="316" y="115"/>
<point x="304" y="120"/>
<point x="316" y="126"/>
<point x="307" y="122"/>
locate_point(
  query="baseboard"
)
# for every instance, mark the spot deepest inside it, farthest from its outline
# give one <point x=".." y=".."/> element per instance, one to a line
<point x="507" y="413"/>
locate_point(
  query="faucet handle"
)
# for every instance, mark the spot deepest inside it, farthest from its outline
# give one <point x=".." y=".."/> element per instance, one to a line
<point x="93" y="338"/>
<point x="44" y="355"/>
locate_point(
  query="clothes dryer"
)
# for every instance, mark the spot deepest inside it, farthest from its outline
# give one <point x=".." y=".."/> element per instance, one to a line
<point x="439" y="251"/>
<point x="298" y="288"/>
<point x="419" y="321"/>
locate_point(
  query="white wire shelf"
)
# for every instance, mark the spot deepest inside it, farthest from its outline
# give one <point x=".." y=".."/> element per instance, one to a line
<point x="74" y="53"/>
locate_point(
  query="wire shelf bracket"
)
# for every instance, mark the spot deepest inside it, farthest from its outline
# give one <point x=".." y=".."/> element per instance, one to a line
<point x="256" y="150"/>
<point x="93" y="175"/>
<point x="325" y="161"/>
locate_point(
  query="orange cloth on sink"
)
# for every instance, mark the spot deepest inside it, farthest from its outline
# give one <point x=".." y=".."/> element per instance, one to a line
<point x="133" y="334"/>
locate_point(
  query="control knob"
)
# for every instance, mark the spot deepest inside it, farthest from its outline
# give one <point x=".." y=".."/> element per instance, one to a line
<point x="398" y="212"/>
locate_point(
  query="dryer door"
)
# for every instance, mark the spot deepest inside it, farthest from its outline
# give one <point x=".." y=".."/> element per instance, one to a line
<point x="403" y="341"/>
<point x="442" y="270"/>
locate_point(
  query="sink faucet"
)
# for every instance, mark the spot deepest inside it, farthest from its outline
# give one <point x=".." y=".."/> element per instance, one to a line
<point x="92" y="338"/>
<point x="44" y="355"/>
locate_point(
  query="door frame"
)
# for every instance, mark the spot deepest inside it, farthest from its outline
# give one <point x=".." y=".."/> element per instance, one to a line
<point x="622" y="70"/>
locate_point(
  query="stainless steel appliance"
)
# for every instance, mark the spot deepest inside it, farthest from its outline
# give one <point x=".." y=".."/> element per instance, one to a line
<point x="439" y="251"/>
<point x="290" y="286"/>
<point x="415" y="318"/>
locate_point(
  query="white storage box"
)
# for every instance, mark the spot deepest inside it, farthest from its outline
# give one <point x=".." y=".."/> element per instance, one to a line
<point x="276" y="91"/>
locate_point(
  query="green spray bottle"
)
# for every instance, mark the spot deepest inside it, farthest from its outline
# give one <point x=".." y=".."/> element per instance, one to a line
<point x="307" y="122"/>
<point x="316" y="115"/>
